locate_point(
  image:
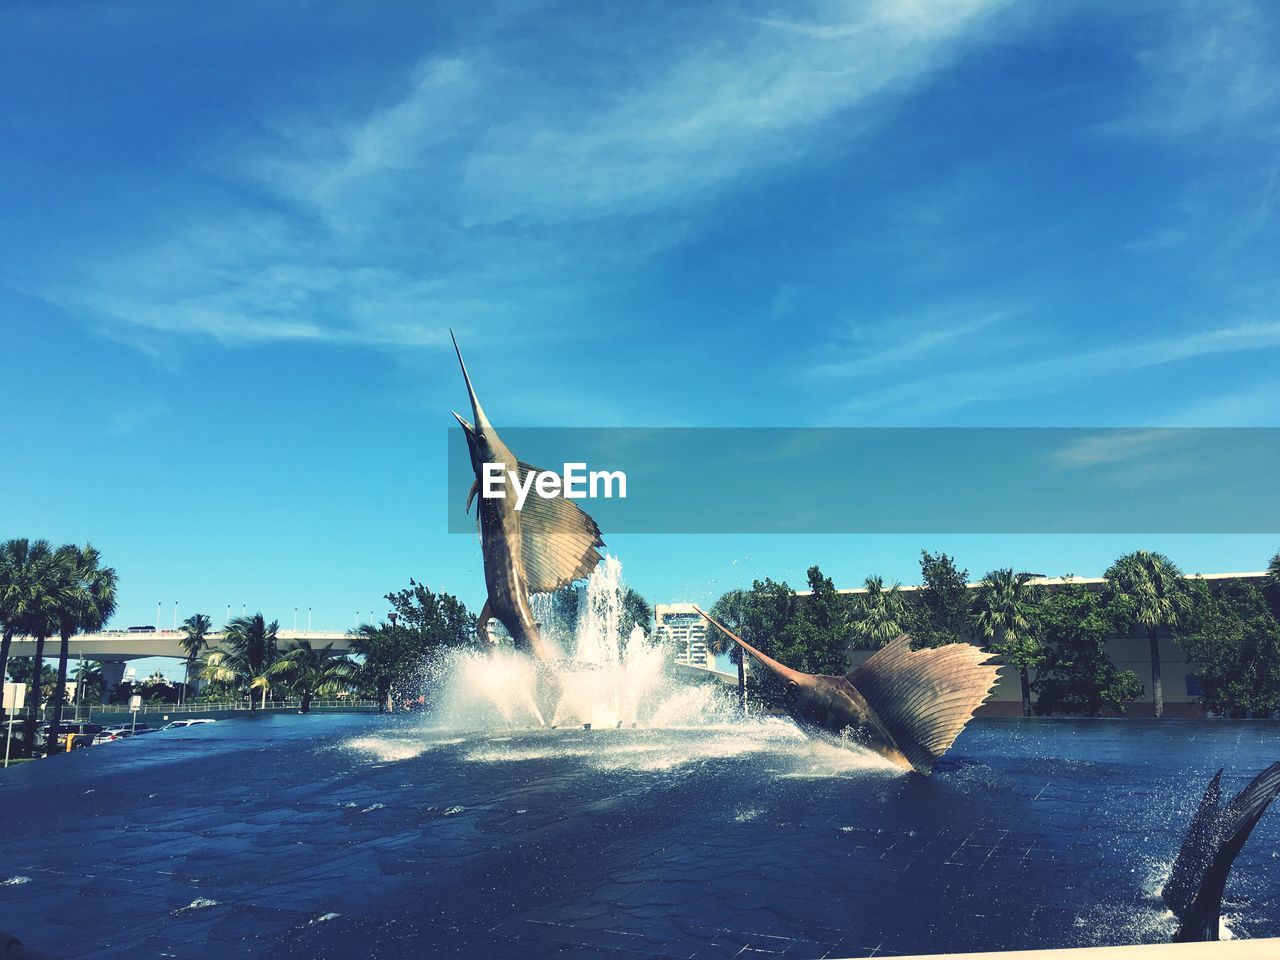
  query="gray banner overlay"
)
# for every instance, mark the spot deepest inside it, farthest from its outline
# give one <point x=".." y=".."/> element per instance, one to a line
<point x="909" y="480"/>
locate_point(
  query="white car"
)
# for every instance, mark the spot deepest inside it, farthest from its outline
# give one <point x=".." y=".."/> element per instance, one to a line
<point x="179" y="724"/>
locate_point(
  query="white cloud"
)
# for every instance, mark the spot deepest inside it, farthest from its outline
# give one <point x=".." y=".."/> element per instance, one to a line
<point x="500" y="194"/>
<point x="1054" y="372"/>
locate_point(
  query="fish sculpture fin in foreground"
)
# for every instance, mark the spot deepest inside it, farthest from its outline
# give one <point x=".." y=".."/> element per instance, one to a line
<point x="907" y="705"/>
<point x="1216" y="836"/>
<point x="925" y="697"/>
<point x="558" y="541"/>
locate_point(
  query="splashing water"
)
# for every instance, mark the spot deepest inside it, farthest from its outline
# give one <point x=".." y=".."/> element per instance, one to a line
<point x="606" y="680"/>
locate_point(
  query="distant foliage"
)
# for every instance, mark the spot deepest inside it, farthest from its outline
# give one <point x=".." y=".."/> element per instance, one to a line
<point x="395" y="652"/>
<point x="942" y="609"/>
<point x="1233" y="636"/>
<point x="1077" y="676"/>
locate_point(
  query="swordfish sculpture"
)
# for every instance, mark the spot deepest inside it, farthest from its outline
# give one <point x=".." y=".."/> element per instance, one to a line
<point x="906" y="705"/>
<point x="537" y="549"/>
<point x="1198" y="877"/>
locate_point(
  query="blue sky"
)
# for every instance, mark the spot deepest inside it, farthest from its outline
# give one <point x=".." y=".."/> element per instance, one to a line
<point x="232" y="245"/>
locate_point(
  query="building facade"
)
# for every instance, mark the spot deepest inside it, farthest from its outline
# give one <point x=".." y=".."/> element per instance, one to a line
<point x="680" y="625"/>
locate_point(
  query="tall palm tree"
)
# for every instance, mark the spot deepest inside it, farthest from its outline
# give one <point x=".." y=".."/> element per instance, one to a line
<point x="878" y="614"/>
<point x="23" y="575"/>
<point x="86" y="601"/>
<point x="1151" y="587"/>
<point x="309" y="671"/>
<point x="251" y="649"/>
<point x="14" y="595"/>
<point x="195" y="637"/>
<point x="32" y="594"/>
<point x="382" y="648"/>
<point x="1003" y="614"/>
<point x="729" y="610"/>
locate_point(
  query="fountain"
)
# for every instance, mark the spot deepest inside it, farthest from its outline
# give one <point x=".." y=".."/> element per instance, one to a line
<point x="604" y="680"/>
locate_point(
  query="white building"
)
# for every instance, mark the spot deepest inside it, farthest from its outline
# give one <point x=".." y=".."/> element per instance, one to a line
<point x="680" y="625"/>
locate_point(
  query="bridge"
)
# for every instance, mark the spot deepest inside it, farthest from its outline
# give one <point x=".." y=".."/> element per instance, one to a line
<point x="113" y="648"/>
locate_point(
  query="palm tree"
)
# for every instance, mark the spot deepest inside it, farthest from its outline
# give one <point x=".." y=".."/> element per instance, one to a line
<point x="214" y="669"/>
<point x="1151" y="587"/>
<point x="384" y="650"/>
<point x="250" y="644"/>
<point x="14" y="595"/>
<point x="87" y="599"/>
<point x="729" y="610"/>
<point x="1004" y="613"/>
<point x="22" y="572"/>
<point x="30" y="596"/>
<point x="309" y="671"/>
<point x="195" y="637"/>
<point x="878" y="614"/>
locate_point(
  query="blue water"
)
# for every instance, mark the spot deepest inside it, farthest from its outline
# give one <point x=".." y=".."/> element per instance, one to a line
<point x="350" y="836"/>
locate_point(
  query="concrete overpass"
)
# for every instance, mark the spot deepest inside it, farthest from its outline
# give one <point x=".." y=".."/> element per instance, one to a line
<point x="121" y="645"/>
<point x="113" y="648"/>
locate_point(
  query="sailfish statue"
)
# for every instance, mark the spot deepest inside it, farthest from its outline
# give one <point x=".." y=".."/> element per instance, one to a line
<point x="906" y="705"/>
<point x="540" y="548"/>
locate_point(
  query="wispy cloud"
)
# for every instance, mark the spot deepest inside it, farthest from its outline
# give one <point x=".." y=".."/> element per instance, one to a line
<point x="1211" y="69"/>
<point x="1053" y="372"/>
<point x="867" y="350"/>
<point x="493" y="191"/>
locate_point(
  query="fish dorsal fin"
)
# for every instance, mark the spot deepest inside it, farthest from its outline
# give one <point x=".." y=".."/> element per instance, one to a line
<point x="1229" y="831"/>
<point x="1188" y="869"/>
<point x="557" y="540"/>
<point x="925" y="697"/>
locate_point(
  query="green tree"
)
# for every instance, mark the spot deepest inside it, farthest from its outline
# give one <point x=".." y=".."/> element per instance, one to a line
<point x="1234" y="639"/>
<point x="636" y="612"/>
<point x="311" y="672"/>
<point x="90" y="683"/>
<point x="421" y="625"/>
<point x="941" y="611"/>
<point x="879" y="614"/>
<point x="24" y="596"/>
<point x="1273" y="584"/>
<point x="195" y="638"/>
<point x="43" y="583"/>
<point x="1004" y="614"/>
<point x="729" y="610"/>
<point x="824" y="626"/>
<point x="1077" y="676"/>
<point x="1148" y="589"/>
<point x="250" y="649"/>
<point x="86" y="601"/>
<point x="388" y="654"/>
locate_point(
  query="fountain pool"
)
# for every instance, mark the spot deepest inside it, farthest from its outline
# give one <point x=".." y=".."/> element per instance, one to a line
<point x="369" y="837"/>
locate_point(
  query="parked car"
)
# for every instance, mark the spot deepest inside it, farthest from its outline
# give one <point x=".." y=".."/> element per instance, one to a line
<point x="179" y="724"/>
<point x="71" y="736"/>
<point x="122" y="732"/>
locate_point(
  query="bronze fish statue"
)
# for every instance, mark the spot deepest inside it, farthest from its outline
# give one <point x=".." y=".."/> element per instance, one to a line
<point x="543" y="546"/>
<point x="906" y="705"/>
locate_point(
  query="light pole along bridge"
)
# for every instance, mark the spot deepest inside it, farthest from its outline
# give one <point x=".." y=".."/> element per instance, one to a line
<point x="114" y="648"/>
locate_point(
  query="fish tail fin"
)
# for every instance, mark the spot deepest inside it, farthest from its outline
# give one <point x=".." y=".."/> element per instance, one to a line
<point x="925" y="697"/>
<point x="1199" y="875"/>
